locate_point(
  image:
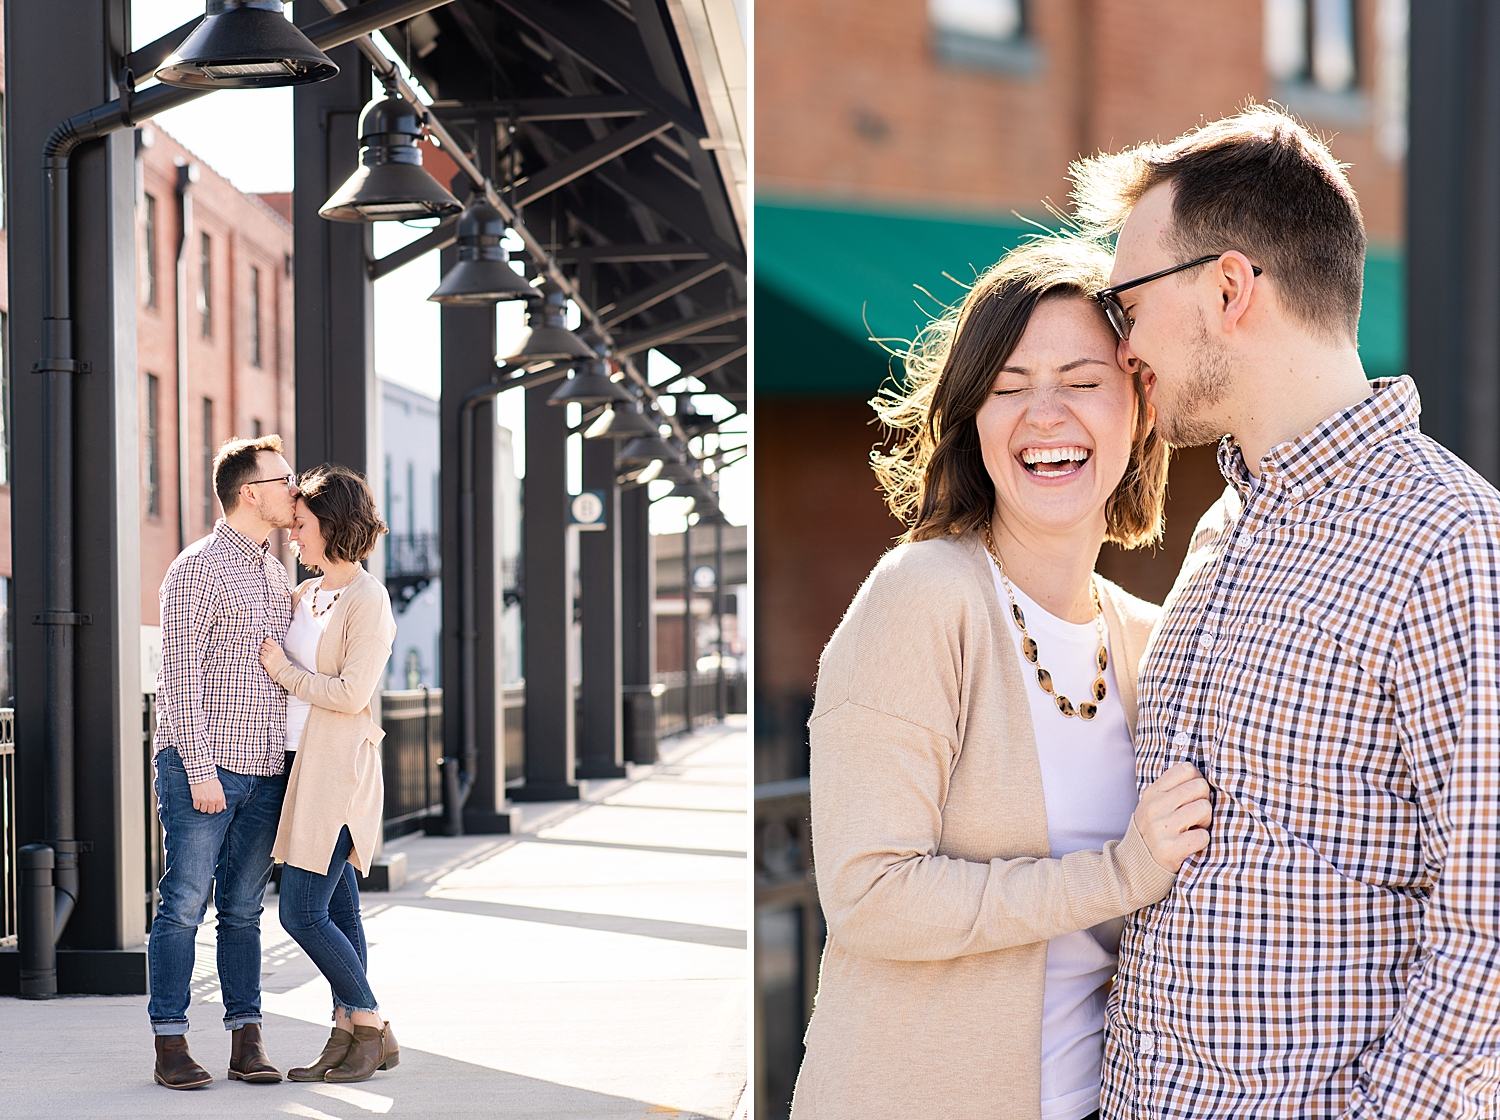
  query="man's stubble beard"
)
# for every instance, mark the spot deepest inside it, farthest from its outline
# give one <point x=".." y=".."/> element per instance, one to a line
<point x="1181" y="420"/>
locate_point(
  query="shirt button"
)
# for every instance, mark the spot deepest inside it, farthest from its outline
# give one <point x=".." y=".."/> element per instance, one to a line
<point x="1181" y="739"/>
<point x="1148" y="945"/>
<point x="1147" y="1043"/>
<point x="1206" y="640"/>
<point x="1298" y="490"/>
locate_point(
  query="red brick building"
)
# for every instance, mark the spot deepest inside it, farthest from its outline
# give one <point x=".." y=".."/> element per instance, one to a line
<point x="214" y="334"/>
<point x="894" y="142"/>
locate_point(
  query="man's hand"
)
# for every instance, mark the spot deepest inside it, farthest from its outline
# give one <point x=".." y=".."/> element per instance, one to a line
<point x="1174" y="814"/>
<point x="208" y="797"/>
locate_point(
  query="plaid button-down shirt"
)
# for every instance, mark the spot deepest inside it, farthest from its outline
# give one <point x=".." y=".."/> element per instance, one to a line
<point x="1330" y="658"/>
<point x="214" y="701"/>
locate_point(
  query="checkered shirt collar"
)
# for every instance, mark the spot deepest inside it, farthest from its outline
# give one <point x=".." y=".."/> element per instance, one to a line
<point x="1317" y="457"/>
<point x="253" y="551"/>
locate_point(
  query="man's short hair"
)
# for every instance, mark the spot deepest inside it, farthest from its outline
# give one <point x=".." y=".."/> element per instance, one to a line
<point x="1258" y="182"/>
<point x="344" y="505"/>
<point x="236" y="464"/>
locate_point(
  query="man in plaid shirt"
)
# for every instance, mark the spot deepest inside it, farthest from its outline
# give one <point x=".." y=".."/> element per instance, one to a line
<point x="219" y="756"/>
<point x="1329" y="658"/>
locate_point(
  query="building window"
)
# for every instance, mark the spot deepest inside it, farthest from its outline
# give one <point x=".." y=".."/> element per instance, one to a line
<point x="983" y="34"/>
<point x="148" y="255"/>
<point x="1311" y="43"/>
<point x="3" y="192"/>
<point x="254" y="429"/>
<point x="205" y="287"/>
<point x="153" y="445"/>
<point x="254" y="316"/>
<point x="208" y="461"/>
<point x="4" y="397"/>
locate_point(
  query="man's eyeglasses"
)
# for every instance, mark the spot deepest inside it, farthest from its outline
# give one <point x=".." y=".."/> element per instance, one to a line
<point x="1114" y="310"/>
<point x="287" y="480"/>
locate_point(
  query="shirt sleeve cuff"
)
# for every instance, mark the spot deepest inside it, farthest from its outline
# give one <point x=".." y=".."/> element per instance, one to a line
<point x="1146" y="880"/>
<point x="199" y="770"/>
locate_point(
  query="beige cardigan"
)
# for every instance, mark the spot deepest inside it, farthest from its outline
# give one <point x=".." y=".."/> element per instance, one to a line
<point x="929" y="833"/>
<point x="336" y="777"/>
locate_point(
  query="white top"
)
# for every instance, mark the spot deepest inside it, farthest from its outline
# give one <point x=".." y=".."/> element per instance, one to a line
<point x="1088" y="779"/>
<point x="301" y="647"/>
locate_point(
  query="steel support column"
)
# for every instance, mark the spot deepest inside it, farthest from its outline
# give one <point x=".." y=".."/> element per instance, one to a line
<point x="1453" y="226"/>
<point x="689" y="635"/>
<point x="546" y="606"/>
<point x="337" y="397"/>
<point x="60" y="60"/>
<point x="471" y="599"/>
<point x="600" y="738"/>
<point x="638" y="625"/>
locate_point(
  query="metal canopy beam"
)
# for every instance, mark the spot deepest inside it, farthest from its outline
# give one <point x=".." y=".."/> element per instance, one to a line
<point x="628" y="253"/>
<point x="710" y="362"/>
<point x="673" y="332"/>
<point x="443" y="235"/>
<point x="600" y="107"/>
<point x="581" y="162"/>
<point x="608" y="44"/>
<point x="664" y="289"/>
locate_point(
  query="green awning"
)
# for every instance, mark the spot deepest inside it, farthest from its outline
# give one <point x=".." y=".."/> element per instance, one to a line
<point x="829" y="277"/>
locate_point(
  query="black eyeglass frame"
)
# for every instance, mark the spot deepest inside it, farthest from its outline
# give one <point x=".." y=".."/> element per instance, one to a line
<point x="1114" y="310"/>
<point x="289" y="480"/>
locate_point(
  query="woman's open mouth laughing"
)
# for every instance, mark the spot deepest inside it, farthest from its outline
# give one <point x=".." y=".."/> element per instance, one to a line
<point x="1054" y="462"/>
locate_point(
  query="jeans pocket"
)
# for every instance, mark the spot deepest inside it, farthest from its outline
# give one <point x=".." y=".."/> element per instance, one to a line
<point x="172" y="761"/>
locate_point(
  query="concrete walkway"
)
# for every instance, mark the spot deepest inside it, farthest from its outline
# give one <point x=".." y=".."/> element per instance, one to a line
<point x="593" y="966"/>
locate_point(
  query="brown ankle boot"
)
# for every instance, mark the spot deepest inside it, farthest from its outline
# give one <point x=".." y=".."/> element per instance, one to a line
<point x="368" y="1054"/>
<point x="333" y="1053"/>
<point x="391" y="1050"/>
<point x="247" y="1058"/>
<point x="175" y="1067"/>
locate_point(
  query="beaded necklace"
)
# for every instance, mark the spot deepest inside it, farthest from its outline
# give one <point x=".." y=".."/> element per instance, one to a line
<point x="1087" y="709"/>
<point x="331" y="603"/>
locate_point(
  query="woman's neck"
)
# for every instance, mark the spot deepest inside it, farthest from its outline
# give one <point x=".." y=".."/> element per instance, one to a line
<point x="337" y="574"/>
<point x="1054" y="570"/>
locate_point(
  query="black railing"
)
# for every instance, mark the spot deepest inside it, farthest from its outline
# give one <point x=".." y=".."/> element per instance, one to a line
<point x="413" y="722"/>
<point x="7" y="827"/>
<point x="413" y="554"/>
<point x="789" y="935"/>
<point x="671" y="715"/>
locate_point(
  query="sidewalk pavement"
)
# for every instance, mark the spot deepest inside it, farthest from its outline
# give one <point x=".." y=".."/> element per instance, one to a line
<point x="595" y="965"/>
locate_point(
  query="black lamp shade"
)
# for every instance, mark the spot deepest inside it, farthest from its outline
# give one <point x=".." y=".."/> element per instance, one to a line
<point x="547" y="338"/>
<point x="245" y="44"/>
<point x="483" y="274"/>
<point x="643" y="449"/>
<point x="621" y="422"/>
<point x="589" y="386"/>
<point x="675" y="470"/>
<point x="389" y="184"/>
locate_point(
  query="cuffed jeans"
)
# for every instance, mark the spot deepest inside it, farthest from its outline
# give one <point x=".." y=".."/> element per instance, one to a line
<point x="228" y="853"/>
<point x="321" y="912"/>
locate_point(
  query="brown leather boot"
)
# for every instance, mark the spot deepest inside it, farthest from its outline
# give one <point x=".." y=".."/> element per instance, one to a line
<point x="370" y="1052"/>
<point x="333" y="1053"/>
<point x="247" y="1058"/>
<point x="392" y="1048"/>
<point x="175" y="1067"/>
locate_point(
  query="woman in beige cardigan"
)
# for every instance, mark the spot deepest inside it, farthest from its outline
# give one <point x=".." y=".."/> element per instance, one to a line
<point x="976" y="827"/>
<point x="336" y="652"/>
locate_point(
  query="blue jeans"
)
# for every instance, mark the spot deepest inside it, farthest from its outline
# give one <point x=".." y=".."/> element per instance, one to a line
<point x="321" y="912"/>
<point x="228" y="853"/>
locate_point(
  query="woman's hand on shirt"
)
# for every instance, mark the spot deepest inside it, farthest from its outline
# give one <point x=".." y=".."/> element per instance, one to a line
<point x="1174" y="814"/>
<point x="271" y="656"/>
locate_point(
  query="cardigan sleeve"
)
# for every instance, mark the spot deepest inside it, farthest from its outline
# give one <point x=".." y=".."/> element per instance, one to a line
<point x="369" y="632"/>
<point x="884" y="740"/>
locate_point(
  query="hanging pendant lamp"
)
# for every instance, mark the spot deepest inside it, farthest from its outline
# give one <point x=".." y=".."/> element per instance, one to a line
<point x="546" y="337"/>
<point x="678" y="469"/>
<point x="245" y="44"/>
<point x="643" y="449"/>
<point x="622" y="421"/>
<point x="483" y="274"/>
<point x="590" y="385"/>
<point x="390" y="184"/>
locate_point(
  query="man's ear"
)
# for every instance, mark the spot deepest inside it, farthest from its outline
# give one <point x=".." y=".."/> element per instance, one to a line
<point x="1237" y="282"/>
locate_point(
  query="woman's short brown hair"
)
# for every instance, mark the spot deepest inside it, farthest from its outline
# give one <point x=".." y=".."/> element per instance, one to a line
<point x="934" y="477"/>
<point x="342" y="502"/>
